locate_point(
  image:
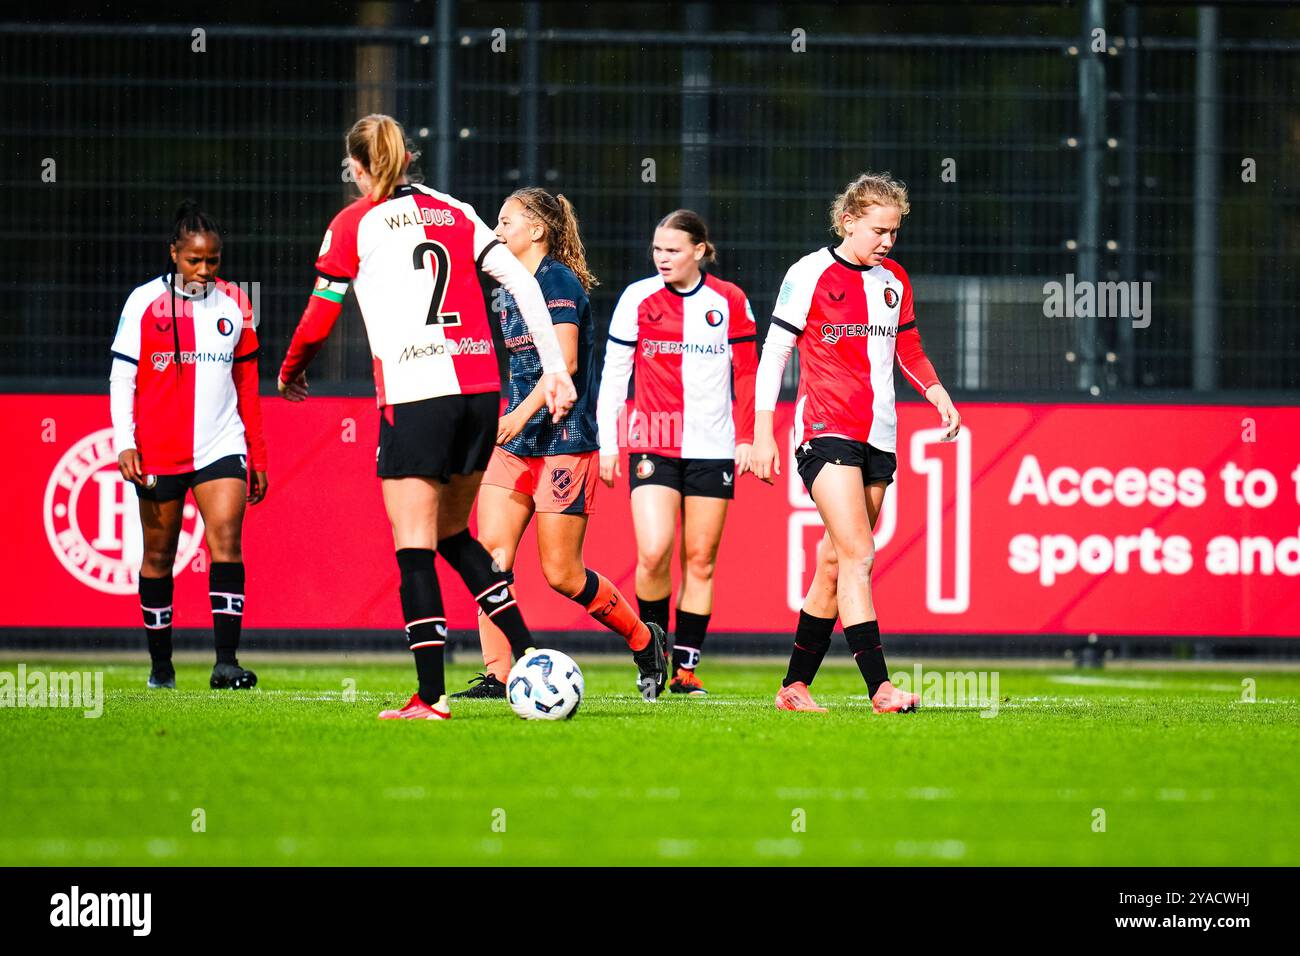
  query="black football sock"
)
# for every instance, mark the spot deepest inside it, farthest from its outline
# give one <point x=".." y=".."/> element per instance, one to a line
<point x="691" y="631"/>
<point x="426" y="627"/>
<point x="864" y="642"/>
<point x="226" y="591"/>
<point x="812" y="639"/>
<point x="654" y="612"/>
<point x="490" y="587"/>
<point x="156" y="607"/>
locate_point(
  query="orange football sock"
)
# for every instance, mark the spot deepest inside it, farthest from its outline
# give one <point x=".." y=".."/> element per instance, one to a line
<point x="607" y="605"/>
<point x="496" y="647"/>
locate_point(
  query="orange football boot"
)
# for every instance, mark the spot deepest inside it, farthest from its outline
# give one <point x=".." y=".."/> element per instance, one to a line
<point x="797" y="697"/>
<point x="890" y="700"/>
<point x="417" y="709"/>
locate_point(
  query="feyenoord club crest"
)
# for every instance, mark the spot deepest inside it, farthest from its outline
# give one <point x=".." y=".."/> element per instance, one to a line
<point x="561" y="481"/>
<point x="92" y="520"/>
<point x="645" y="468"/>
<point x="891" y="297"/>
<point x="713" y="317"/>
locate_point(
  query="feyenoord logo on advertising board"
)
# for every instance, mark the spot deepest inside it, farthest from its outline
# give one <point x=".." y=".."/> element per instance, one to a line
<point x="92" y="520"/>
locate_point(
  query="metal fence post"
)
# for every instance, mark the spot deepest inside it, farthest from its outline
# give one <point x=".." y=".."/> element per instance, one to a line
<point x="1205" y="196"/>
<point x="695" y="113"/>
<point x="445" y="31"/>
<point x="1092" y="141"/>
<point x="1125" y="341"/>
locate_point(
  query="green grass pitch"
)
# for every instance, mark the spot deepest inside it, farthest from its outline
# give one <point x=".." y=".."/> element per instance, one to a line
<point x="299" y="772"/>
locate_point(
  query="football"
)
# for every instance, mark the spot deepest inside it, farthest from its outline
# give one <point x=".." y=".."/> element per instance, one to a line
<point x="545" y="685"/>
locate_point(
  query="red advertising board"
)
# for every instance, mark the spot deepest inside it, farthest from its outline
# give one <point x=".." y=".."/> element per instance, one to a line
<point x="1056" y="519"/>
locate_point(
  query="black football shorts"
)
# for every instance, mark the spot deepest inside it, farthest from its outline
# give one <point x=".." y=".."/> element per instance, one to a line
<point x="438" y="437"/>
<point x="699" y="477"/>
<point x="171" y="487"/>
<point x="813" y="455"/>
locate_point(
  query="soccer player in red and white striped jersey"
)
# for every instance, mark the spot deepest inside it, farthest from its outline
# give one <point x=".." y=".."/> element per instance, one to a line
<point x="413" y="255"/>
<point x="690" y="337"/>
<point x="186" y="417"/>
<point x="849" y="309"/>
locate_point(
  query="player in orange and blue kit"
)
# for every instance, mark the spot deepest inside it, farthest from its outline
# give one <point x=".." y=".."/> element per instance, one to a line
<point x="545" y="467"/>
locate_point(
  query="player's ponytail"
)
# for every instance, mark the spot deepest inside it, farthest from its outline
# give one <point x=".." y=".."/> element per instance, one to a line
<point x="689" y="222"/>
<point x="563" y="243"/>
<point x="379" y="145"/>
<point x="869" y="189"/>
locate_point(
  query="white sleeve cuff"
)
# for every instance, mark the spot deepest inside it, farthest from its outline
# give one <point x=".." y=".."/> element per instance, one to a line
<point x="771" y="367"/>
<point x="121" y="402"/>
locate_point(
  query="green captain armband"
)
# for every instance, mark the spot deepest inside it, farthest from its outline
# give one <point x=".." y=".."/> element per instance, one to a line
<point x="330" y="288"/>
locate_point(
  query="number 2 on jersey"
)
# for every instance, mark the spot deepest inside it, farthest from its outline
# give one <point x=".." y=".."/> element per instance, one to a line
<point x="441" y="274"/>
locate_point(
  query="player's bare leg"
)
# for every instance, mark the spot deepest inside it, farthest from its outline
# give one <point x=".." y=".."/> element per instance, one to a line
<point x="655" y="509"/>
<point x="820" y="608"/>
<point x="842" y="503"/>
<point x="222" y="502"/>
<point x="559" y="545"/>
<point x="821" y="596"/>
<point x="702" y="521"/>
<point x="412" y="506"/>
<point x="488" y="583"/>
<point x="161" y="523"/>
<point x="654" y="518"/>
<point x="503" y="516"/>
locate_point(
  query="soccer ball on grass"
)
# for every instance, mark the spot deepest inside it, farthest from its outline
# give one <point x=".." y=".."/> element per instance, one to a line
<point x="545" y="685"/>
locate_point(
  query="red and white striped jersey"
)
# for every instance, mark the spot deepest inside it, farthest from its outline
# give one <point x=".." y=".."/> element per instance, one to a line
<point x="184" y="417"/>
<point x="848" y="320"/>
<point x="684" y="347"/>
<point x="413" y="259"/>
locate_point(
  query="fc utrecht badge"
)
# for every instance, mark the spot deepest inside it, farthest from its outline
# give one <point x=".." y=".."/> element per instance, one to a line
<point x="561" y="481"/>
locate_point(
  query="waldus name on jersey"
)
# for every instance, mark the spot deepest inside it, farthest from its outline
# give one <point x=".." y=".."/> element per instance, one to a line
<point x="75" y="908"/>
<point x="421" y="217"/>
